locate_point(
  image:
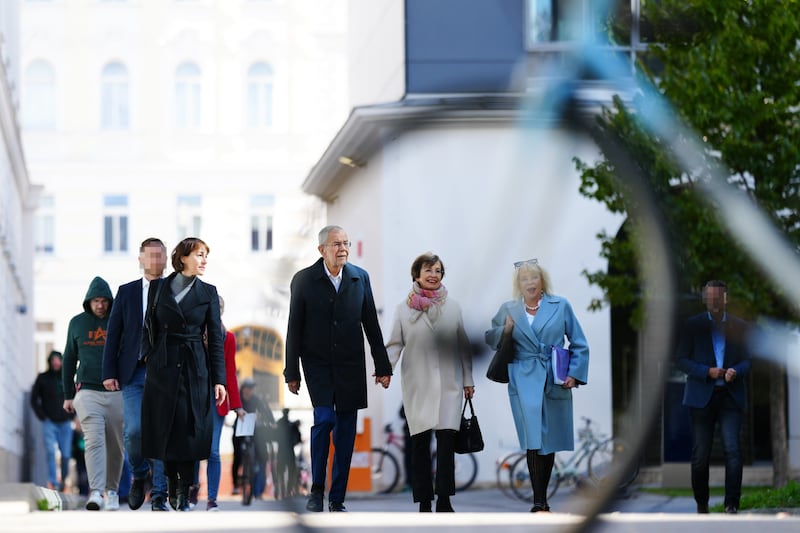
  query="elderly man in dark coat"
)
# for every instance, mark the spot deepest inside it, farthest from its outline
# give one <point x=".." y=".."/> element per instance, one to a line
<point x="330" y="304"/>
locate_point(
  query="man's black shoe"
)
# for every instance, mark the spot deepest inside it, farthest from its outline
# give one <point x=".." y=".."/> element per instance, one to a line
<point x="314" y="504"/>
<point x="336" y="507"/>
<point x="139" y="488"/>
<point x="702" y="508"/>
<point x="157" y="503"/>
<point x="731" y="509"/>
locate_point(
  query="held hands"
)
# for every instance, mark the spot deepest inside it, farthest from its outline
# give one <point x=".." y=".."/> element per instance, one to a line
<point x="383" y="380"/>
<point x="220" y="394"/>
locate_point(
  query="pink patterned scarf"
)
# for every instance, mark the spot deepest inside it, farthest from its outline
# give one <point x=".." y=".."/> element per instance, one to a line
<point x="426" y="301"/>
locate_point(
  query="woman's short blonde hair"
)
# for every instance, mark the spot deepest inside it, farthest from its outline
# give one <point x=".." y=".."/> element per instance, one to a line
<point x="529" y="268"/>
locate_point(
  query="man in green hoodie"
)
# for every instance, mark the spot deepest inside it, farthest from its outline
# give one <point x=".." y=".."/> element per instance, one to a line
<point x="99" y="410"/>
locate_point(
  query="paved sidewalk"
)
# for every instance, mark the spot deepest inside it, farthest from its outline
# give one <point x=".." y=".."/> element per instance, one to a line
<point x="477" y="511"/>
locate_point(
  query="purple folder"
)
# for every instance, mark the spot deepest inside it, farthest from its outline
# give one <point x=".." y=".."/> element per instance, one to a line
<point x="560" y="364"/>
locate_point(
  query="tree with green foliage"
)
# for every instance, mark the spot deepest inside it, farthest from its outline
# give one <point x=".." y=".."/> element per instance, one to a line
<point x="731" y="70"/>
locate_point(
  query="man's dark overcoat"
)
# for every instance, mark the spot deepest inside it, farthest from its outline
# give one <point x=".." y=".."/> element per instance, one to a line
<point x="326" y="332"/>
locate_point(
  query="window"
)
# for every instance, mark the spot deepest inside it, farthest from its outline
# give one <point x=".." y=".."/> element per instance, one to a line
<point x="39" y="98"/>
<point x="115" y="223"/>
<point x="189" y="216"/>
<point x="45" y="227"/>
<point x="550" y="21"/>
<point x="187" y="96"/>
<point x="114" y="95"/>
<point x="261" y="222"/>
<point x="259" y="96"/>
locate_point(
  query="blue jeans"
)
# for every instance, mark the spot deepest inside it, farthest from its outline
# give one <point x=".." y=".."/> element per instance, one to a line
<point x="213" y="466"/>
<point x="343" y="425"/>
<point x="132" y="434"/>
<point x="57" y="434"/>
<point x="721" y="408"/>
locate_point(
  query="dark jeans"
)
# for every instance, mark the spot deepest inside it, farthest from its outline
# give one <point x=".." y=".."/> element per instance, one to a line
<point x="343" y="425"/>
<point x="422" y="482"/>
<point x="721" y="408"/>
<point x="132" y="434"/>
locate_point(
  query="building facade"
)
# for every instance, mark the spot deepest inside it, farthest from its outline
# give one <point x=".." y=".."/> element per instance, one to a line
<point x="18" y="197"/>
<point x="172" y="119"/>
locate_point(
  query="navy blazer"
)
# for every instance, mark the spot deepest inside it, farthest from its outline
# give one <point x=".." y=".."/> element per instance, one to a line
<point x="124" y="337"/>
<point x="695" y="355"/>
<point x="326" y="332"/>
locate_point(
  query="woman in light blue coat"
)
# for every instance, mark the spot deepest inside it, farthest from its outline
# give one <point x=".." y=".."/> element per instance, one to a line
<point x="536" y="321"/>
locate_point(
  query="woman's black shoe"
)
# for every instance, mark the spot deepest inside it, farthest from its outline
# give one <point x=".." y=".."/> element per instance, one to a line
<point x="540" y="507"/>
<point x="443" y="506"/>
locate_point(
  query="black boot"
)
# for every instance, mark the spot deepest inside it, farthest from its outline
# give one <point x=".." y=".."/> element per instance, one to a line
<point x="172" y="491"/>
<point x="183" y="496"/>
<point x="539" y="468"/>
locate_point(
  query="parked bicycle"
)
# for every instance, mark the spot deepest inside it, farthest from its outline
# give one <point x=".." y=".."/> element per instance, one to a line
<point x="386" y="468"/>
<point x="602" y="455"/>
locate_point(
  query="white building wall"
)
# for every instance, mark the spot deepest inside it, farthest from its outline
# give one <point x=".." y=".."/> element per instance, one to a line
<point x="17" y="200"/>
<point x="481" y="197"/>
<point x="153" y="162"/>
<point x="376" y="48"/>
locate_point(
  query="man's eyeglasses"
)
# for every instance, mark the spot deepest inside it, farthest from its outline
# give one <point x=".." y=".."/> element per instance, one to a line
<point x="339" y="244"/>
<point x="526" y="262"/>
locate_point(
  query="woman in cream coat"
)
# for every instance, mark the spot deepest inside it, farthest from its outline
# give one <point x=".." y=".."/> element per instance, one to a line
<point x="436" y="374"/>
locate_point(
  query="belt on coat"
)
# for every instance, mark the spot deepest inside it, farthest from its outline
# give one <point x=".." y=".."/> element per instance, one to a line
<point x="533" y="357"/>
<point x="177" y="339"/>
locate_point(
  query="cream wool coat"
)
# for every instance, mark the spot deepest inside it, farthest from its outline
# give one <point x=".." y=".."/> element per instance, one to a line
<point x="436" y="366"/>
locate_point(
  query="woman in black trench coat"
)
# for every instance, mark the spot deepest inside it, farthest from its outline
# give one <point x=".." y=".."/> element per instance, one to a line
<point x="184" y="380"/>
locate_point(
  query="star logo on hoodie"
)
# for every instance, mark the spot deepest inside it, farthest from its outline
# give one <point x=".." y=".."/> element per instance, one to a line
<point x="97" y="337"/>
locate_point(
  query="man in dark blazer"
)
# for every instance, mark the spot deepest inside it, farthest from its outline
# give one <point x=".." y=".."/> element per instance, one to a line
<point x="123" y="369"/>
<point x="714" y="355"/>
<point x="331" y="309"/>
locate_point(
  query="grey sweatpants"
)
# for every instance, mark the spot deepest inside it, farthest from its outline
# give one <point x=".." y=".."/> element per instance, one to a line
<point x="100" y="415"/>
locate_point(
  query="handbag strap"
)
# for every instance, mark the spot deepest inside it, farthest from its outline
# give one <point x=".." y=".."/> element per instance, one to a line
<point x="471" y="409"/>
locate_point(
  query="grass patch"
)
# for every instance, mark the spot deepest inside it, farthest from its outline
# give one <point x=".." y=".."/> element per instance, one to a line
<point x="787" y="497"/>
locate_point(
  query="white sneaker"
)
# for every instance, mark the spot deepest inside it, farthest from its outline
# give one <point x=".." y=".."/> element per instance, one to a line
<point x="112" y="501"/>
<point x="95" y="501"/>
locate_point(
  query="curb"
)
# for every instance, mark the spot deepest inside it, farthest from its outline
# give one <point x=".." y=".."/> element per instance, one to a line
<point x="20" y="498"/>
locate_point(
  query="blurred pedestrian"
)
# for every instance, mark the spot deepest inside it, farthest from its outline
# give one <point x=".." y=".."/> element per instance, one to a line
<point x="47" y="401"/>
<point x="232" y="402"/>
<point x="714" y="355"/>
<point x="252" y="402"/>
<point x="185" y="376"/>
<point x="436" y="371"/>
<point x="99" y="410"/>
<point x="288" y="433"/>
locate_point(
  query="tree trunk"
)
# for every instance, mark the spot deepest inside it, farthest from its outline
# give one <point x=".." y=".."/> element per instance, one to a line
<point x="777" y="422"/>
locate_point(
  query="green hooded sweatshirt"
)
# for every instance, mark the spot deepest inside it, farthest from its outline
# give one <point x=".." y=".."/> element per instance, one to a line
<point x="86" y="338"/>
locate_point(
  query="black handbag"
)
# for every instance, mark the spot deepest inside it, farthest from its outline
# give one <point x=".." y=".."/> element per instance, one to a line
<point x="498" y="366"/>
<point x="468" y="437"/>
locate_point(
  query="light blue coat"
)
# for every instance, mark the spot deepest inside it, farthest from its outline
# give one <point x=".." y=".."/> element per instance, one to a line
<point x="542" y="410"/>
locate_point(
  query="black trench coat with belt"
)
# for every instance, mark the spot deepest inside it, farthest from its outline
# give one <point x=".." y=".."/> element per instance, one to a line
<point x="325" y="334"/>
<point x="177" y="403"/>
